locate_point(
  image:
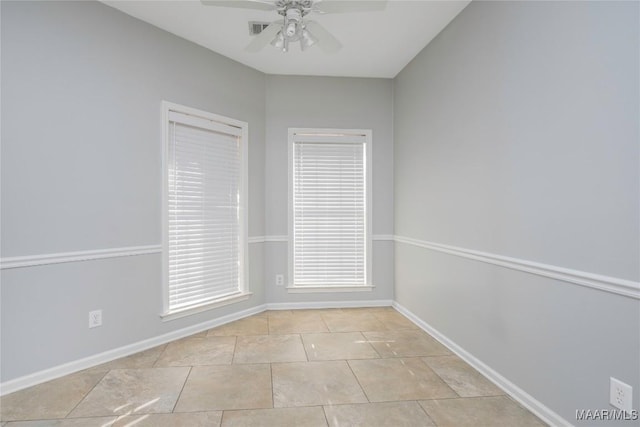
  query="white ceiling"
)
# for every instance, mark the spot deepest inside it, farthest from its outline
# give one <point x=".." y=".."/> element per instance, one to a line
<point x="375" y="44"/>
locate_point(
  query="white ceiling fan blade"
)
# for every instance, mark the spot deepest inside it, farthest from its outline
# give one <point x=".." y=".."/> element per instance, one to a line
<point x="345" y="6"/>
<point x="326" y="41"/>
<point x="242" y="4"/>
<point x="264" y="38"/>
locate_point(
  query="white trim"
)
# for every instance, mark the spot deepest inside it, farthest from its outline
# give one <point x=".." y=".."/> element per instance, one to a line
<point x="172" y="112"/>
<point x="325" y="289"/>
<point x="364" y="136"/>
<point x="383" y="237"/>
<point x="95" y="254"/>
<point x="329" y="304"/>
<point x="107" y="356"/>
<point x="63" y="257"/>
<point x="627" y="288"/>
<point x="220" y="302"/>
<point x="338" y="135"/>
<point x="68" y="368"/>
<point x="525" y="399"/>
<point x="204" y="123"/>
<point x="164" y="125"/>
<point x="285" y="238"/>
<point x="171" y="106"/>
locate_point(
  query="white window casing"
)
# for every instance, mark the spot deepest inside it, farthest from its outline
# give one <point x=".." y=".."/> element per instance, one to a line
<point x="204" y="210"/>
<point x="329" y="210"/>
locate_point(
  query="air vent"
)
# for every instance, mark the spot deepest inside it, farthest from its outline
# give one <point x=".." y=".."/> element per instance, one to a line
<point x="256" y="28"/>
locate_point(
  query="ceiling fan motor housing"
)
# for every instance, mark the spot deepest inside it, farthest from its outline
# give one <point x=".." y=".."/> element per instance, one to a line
<point x="292" y="23"/>
<point x="303" y="6"/>
<point x="293" y="27"/>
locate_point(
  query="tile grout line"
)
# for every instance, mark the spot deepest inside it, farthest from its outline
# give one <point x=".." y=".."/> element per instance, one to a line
<point x="87" y="394"/>
<point x="153" y="362"/>
<point x="272" y="391"/>
<point x="438" y="375"/>
<point x="358" y="381"/>
<point x="474" y="370"/>
<point x="371" y="345"/>
<point x="181" y="390"/>
<point x="164" y="349"/>
<point x="268" y="323"/>
<point x="326" y="325"/>
<point x="235" y="346"/>
<point x="426" y="413"/>
<point x="304" y="348"/>
<point x="326" y="417"/>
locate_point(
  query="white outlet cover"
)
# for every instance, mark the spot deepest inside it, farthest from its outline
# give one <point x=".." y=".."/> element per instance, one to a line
<point x="279" y="279"/>
<point x="621" y="395"/>
<point x="95" y="318"/>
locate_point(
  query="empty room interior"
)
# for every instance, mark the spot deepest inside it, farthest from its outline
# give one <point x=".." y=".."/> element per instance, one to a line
<point x="320" y="212"/>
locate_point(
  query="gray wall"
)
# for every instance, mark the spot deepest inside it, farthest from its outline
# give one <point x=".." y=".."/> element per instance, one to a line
<point x="516" y="133"/>
<point x="81" y="170"/>
<point x="328" y="102"/>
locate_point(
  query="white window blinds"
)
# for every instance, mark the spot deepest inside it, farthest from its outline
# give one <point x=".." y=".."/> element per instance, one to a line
<point x="204" y="236"/>
<point x="329" y="210"/>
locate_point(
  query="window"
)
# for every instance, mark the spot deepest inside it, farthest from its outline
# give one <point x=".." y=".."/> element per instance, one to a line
<point x="330" y="205"/>
<point x="204" y="236"/>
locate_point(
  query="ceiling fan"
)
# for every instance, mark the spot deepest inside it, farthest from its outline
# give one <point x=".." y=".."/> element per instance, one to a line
<point x="293" y="27"/>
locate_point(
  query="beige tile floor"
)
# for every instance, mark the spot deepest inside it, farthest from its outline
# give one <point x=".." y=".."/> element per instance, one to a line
<point x="338" y="367"/>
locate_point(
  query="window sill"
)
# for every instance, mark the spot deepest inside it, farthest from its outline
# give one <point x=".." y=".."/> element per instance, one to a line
<point x="324" y="289"/>
<point x="230" y="299"/>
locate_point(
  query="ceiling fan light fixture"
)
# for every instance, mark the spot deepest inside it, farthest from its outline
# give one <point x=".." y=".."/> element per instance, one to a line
<point x="278" y="41"/>
<point x="281" y="42"/>
<point x="291" y="29"/>
<point x="307" y="40"/>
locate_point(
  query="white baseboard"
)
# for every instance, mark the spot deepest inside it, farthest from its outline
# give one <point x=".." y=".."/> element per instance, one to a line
<point x="525" y="399"/>
<point x="329" y="304"/>
<point x="127" y="350"/>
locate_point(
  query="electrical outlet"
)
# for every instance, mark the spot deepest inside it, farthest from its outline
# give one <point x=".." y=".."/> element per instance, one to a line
<point x="620" y="395"/>
<point x="95" y="318"/>
<point x="279" y="279"/>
